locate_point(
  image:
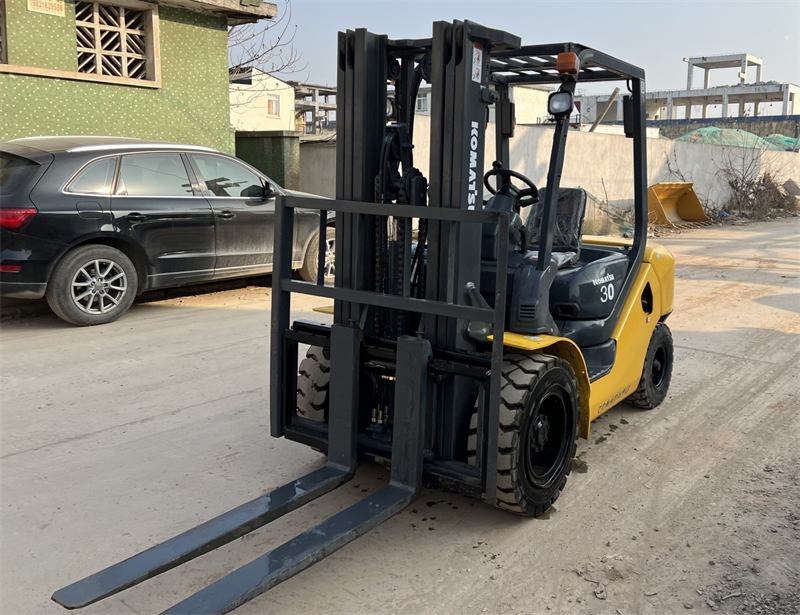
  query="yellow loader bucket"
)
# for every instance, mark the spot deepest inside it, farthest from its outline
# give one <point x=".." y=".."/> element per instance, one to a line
<point x="675" y="204"/>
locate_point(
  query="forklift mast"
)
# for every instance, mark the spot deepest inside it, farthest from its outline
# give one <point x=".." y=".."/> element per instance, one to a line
<point x="455" y="61"/>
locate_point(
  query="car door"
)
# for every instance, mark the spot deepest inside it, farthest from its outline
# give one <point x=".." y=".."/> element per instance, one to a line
<point x="157" y="206"/>
<point x="244" y="214"/>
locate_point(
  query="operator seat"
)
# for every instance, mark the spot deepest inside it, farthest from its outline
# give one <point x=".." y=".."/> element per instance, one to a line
<point x="570" y="209"/>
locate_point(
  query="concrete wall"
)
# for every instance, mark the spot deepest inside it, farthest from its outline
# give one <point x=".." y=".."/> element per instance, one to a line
<point x="602" y="164"/>
<point x="318" y="168"/>
<point x="530" y="104"/>
<point x="191" y="106"/>
<point x="249" y="110"/>
<point x="762" y="126"/>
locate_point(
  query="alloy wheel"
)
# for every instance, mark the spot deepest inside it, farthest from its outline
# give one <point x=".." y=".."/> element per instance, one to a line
<point x="99" y="286"/>
<point x="330" y="258"/>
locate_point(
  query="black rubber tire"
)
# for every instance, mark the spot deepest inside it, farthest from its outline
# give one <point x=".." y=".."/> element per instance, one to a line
<point x="533" y="385"/>
<point x="312" y="385"/>
<point x="309" y="269"/>
<point x="657" y="370"/>
<point x="59" y="288"/>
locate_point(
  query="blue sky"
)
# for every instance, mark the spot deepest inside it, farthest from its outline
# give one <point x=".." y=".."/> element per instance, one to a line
<point x="656" y="35"/>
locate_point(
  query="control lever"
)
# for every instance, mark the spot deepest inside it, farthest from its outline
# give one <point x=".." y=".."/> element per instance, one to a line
<point x="477" y="331"/>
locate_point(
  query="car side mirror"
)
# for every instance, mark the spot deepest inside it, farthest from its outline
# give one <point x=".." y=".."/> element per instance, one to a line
<point x="268" y="191"/>
<point x="253" y="192"/>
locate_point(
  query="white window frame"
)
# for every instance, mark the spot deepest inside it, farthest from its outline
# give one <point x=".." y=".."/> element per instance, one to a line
<point x="422" y="97"/>
<point x="274" y="98"/>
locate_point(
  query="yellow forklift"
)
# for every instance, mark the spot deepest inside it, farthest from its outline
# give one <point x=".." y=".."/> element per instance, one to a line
<point x="472" y="341"/>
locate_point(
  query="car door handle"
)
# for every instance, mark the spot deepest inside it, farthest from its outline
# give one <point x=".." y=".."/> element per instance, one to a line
<point x="136" y="217"/>
<point x="226" y="215"/>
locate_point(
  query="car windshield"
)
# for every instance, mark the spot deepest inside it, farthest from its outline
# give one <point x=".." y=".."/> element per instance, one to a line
<point x="15" y="171"/>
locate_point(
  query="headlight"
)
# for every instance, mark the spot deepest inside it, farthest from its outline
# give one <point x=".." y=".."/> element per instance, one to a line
<point x="559" y="103"/>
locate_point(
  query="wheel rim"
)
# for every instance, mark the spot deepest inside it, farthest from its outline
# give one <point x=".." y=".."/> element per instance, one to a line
<point x="547" y="443"/>
<point x="659" y="366"/>
<point x="99" y="286"/>
<point x="330" y="258"/>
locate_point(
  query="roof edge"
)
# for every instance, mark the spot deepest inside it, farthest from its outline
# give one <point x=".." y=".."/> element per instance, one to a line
<point x="236" y="11"/>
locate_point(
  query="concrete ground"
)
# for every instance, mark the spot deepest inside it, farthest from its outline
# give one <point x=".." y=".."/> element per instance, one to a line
<point x="117" y="437"/>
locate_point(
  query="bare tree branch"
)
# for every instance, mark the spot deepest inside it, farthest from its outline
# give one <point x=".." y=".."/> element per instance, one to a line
<point x="265" y="45"/>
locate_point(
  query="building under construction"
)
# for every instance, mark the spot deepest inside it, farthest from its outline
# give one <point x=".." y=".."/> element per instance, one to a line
<point x="765" y="106"/>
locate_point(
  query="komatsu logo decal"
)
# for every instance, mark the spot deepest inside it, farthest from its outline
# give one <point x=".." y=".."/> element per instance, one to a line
<point x="603" y="280"/>
<point x="472" y="197"/>
<point x="615" y="399"/>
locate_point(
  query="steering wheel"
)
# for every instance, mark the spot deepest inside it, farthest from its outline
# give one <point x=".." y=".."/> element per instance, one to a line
<point x="525" y="197"/>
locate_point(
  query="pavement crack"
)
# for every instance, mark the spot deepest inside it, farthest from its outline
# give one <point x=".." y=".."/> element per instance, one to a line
<point x="136" y="422"/>
<point x="730" y="356"/>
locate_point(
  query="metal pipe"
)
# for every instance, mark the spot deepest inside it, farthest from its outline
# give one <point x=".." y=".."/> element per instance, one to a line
<point x="605" y="110"/>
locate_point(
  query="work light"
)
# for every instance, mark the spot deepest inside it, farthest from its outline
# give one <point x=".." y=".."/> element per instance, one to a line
<point x="559" y="103"/>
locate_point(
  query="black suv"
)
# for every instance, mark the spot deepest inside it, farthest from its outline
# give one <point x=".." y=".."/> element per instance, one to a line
<point x="90" y="222"/>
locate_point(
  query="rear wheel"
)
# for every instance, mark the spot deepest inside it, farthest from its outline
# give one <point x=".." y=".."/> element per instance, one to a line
<point x="313" y="383"/>
<point x="92" y="285"/>
<point x="657" y="370"/>
<point x="309" y="270"/>
<point x="539" y="417"/>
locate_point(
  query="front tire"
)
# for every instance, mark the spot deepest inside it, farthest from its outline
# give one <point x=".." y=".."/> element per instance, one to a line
<point x="539" y="419"/>
<point x="92" y="285"/>
<point x="313" y="384"/>
<point x="657" y="370"/>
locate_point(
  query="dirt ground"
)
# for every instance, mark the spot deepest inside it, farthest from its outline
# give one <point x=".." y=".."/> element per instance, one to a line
<point x="117" y="437"/>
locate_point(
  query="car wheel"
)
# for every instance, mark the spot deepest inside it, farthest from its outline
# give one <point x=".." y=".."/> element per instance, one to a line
<point x="92" y="285"/>
<point x="309" y="270"/>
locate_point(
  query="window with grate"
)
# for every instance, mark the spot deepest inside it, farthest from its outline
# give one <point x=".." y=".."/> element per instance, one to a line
<point x="113" y="40"/>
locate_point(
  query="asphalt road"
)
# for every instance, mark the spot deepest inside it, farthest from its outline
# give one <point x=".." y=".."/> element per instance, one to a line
<point x="117" y="437"/>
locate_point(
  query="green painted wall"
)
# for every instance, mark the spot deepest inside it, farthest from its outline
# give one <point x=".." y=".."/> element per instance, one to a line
<point x="275" y="153"/>
<point x="192" y="106"/>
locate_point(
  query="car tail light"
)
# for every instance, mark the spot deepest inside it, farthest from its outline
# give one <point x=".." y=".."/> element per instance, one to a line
<point x="10" y="268"/>
<point x="16" y="218"/>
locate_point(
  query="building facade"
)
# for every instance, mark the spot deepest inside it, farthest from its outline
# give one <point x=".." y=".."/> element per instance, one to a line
<point x="530" y="103"/>
<point x="120" y="68"/>
<point x="259" y="101"/>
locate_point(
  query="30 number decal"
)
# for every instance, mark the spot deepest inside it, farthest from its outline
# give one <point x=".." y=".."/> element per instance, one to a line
<point x="606" y="293"/>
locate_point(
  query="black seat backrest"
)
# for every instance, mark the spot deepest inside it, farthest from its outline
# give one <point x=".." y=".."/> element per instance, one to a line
<point x="570" y="209"/>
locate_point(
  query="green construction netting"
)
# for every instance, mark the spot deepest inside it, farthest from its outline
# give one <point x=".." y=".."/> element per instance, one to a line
<point x="782" y="141"/>
<point x="728" y="136"/>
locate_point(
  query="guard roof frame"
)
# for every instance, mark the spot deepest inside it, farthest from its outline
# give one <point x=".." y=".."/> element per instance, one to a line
<point x="537" y="64"/>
